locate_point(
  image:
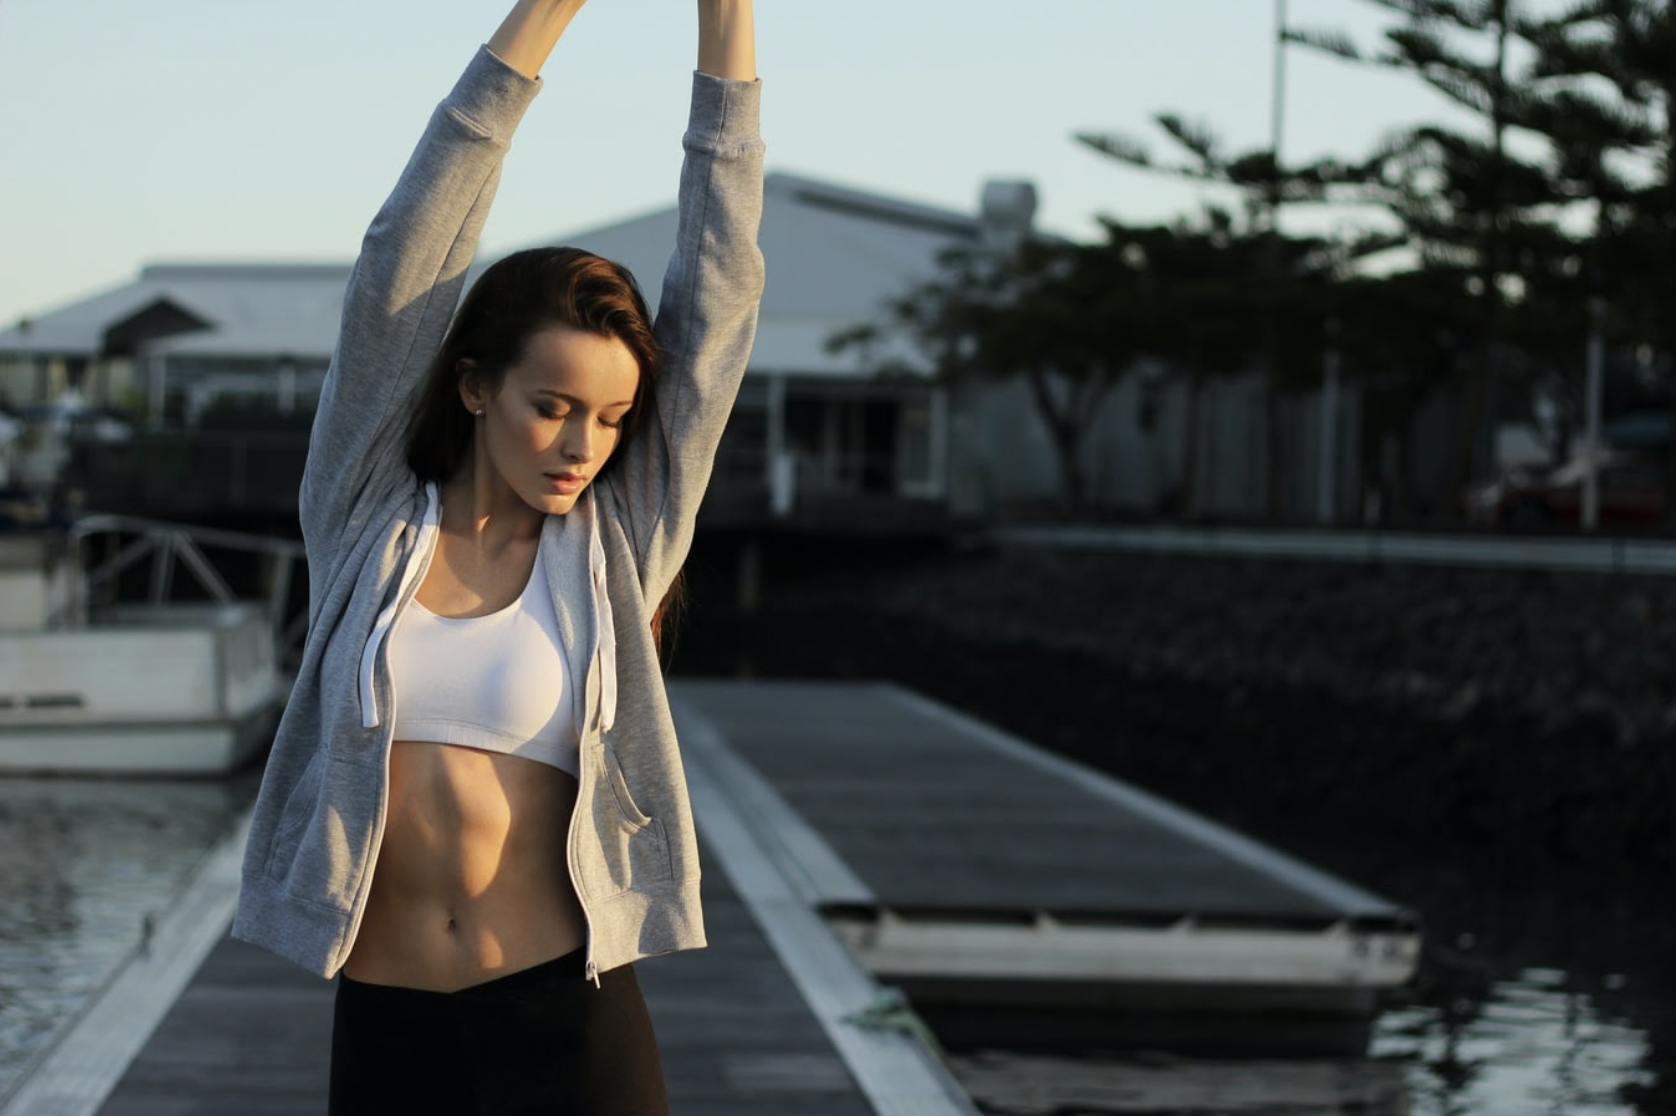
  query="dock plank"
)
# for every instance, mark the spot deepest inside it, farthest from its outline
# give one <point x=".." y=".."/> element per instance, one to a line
<point x="251" y="1034"/>
<point x="928" y="817"/>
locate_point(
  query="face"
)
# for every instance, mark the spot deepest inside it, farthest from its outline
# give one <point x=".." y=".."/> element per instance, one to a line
<point x="555" y="418"/>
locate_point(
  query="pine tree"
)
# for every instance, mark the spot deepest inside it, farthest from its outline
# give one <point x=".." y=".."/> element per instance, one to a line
<point x="1480" y="218"/>
<point x="1267" y="186"/>
<point x="1052" y="312"/>
<point x="1615" y="145"/>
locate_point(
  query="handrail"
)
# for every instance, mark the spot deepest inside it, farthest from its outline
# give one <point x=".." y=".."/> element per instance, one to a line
<point x="173" y="545"/>
<point x="213" y="536"/>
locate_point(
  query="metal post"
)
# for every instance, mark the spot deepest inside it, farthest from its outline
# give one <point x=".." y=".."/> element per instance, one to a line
<point x="1591" y="414"/>
<point x="1274" y="490"/>
<point x="1326" y="476"/>
<point x="939" y="436"/>
<point x="157" y="364"/>
<point x="1277" y="107"/>
<point x="287" y="385"/>
<point x="777" y="466"/>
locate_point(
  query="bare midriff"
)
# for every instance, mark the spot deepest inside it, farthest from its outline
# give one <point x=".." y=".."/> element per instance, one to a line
<point x="471" y="880"/>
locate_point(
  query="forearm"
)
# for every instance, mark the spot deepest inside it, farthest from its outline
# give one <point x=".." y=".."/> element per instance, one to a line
<point x="531" y="29"/>
<point x="727" y="39"/>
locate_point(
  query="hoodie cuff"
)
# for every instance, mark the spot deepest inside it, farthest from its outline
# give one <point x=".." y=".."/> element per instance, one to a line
<point x="726" y="114"/>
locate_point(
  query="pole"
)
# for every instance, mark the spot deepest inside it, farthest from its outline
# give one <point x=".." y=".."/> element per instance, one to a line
<point x="1277" y="113"/>
<point x="159" y="367"/>
<point x="1591" y="414"/>
<point x="1326" y="475"/>
<point x="1274" y="486"/>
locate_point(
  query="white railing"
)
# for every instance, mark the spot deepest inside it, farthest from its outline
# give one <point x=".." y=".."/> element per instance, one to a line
<point x="172" y="546"/>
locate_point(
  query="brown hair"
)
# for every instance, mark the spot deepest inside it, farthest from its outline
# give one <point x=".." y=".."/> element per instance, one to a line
<point x="512" y="301"/>
<point x="516" y="298"/>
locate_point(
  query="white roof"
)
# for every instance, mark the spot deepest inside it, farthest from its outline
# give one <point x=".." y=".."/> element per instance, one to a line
<point x="258" y="310"/>
<point x="835" y="256"/>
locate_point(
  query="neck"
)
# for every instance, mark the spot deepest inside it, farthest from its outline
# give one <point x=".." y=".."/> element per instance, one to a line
<point x="478" y="506"/>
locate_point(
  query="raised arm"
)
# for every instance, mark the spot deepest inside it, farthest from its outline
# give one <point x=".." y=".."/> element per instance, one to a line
<point x="707" y="311"/>
<point x="412" y="265"/>
<point x="727" y="42"/>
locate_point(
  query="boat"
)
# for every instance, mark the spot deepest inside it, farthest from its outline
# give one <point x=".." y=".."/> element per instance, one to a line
<point x="96" y="682"/>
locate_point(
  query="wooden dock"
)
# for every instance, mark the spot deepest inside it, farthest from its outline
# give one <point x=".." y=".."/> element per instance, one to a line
<point x="1019" y="898"/>
<point x="855" y="837"/>
<point x="250" y="1035"/>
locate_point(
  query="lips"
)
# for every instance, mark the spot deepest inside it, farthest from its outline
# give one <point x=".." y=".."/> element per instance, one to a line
<point x="566" y="484"/>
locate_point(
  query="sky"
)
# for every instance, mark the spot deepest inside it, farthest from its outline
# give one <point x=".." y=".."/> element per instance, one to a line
<point x="220" y="130"/>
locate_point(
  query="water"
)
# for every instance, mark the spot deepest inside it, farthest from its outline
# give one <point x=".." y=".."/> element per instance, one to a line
<point x="83" y="863"/>
<point x="1533" y="1045"/>
<point x="1488" y="1030"/>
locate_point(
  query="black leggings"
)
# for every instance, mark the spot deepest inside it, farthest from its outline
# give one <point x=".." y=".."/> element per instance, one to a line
<point x="543" y="1040"/>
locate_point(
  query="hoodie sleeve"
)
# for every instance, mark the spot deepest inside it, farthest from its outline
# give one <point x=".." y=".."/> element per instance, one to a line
<point x="705" y="325"/>
<point x="402" y="293"/>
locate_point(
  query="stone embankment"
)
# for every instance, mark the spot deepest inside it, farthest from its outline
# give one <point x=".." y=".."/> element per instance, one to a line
<point x="1380" y="719"/>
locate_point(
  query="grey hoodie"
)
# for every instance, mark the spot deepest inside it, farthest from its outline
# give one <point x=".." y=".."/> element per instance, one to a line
<point x="370" y="526"/>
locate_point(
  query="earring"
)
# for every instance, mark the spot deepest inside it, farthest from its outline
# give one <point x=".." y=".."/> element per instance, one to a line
<point x="478" y="412"/>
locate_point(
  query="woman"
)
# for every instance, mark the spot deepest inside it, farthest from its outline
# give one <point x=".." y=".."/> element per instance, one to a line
<point x="474" y="807"/>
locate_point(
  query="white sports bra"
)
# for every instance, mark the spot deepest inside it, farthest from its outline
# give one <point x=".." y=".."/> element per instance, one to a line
<point x="499" y="682"/>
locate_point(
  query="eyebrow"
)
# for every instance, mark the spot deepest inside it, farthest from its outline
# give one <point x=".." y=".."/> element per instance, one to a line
<point x="578" y="402"/>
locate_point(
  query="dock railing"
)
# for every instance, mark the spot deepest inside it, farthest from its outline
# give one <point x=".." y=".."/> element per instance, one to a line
<point x="128" y="541"/>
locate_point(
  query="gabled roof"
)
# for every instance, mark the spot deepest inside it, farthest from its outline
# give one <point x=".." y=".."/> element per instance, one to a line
<point x="834" y="255"/>
<point x="255" y="310"/>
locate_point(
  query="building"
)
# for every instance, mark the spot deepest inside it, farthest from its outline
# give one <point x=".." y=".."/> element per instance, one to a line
<point x="817" y="437"/>
<point x="221" y="364"/>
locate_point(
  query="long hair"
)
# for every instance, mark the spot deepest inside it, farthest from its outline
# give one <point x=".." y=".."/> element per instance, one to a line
<point x="516" y="298"/>
<point x="512" y="301"/>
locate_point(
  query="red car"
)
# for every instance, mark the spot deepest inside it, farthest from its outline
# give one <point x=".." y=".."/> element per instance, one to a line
<point x="1631" y="493"/>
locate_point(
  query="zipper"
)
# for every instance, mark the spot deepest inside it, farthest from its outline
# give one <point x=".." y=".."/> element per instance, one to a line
<point x="584" y="790"/>
<point x="590" y="969"/>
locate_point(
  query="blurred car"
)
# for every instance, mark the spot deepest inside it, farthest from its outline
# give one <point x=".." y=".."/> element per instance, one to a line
<point x="1631" y="493"/>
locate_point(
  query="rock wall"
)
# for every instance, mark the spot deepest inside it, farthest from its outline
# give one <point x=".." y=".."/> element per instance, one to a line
<point x="1380" y="720"/>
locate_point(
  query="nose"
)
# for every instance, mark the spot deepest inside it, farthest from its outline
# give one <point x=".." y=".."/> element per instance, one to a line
<point x="578" y="441"/>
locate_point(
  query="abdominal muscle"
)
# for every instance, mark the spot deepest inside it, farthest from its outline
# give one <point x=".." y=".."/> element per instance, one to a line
<point x="471" y="879"/>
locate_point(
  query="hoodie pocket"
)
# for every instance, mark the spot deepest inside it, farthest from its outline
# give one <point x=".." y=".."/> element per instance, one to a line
<point x="299" y="804"/>
<point x="326" y="820"/>
<point x="635" y="844"/>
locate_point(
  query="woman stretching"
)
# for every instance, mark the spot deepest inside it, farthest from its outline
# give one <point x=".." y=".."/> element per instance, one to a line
<point x="474" y="807"/>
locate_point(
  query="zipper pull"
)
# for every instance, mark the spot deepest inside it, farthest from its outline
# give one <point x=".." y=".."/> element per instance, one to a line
<point x="591" y="972"/>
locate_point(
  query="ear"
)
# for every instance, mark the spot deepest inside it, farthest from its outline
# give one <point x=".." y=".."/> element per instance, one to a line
<point x="472" y="391"/>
